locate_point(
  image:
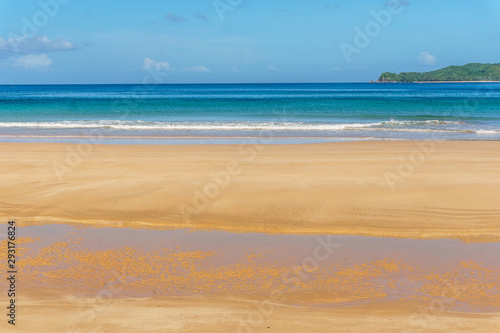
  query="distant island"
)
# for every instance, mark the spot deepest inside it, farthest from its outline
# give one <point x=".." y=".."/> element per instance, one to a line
<point x="469" y="72"/>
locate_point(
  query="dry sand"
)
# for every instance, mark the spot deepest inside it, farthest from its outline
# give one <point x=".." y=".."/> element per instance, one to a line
<point x="396" y="189"/>
<point x="240" y="314"/>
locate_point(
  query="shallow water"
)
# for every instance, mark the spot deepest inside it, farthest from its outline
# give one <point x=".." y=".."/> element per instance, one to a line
<point x="321" y="270"/>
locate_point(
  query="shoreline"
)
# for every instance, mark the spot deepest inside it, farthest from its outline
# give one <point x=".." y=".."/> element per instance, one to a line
<point x="122" y="140"/>
<point x="345" y="188"/>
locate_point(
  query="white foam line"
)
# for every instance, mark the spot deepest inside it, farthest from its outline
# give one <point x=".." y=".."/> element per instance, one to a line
<point x="392" y="125"/>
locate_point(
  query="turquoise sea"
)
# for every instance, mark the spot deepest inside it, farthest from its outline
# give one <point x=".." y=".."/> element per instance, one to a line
<point x="269" y="113"/>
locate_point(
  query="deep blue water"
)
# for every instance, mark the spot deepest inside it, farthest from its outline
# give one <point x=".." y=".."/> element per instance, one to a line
<point x="445" y="111"/>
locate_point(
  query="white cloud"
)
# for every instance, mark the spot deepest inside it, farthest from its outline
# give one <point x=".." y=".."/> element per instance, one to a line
<point x="199" y="69"/>
<point x="33" y="61"/>
<point x="28" y="45"/>
<point x="427" y="59"/>
<point x="274" y="69"/>
<point x="156" y="65"/>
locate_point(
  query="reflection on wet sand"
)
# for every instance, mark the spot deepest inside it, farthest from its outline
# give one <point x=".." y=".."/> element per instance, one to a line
<point x="297" y="270"/>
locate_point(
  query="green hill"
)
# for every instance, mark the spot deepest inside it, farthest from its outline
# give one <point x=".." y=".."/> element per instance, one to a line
<point x="469" y="72"/>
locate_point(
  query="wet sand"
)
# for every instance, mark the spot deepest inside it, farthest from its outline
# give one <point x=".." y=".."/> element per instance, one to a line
<point x="328" y="270"/>
<point x="121" y="279"/>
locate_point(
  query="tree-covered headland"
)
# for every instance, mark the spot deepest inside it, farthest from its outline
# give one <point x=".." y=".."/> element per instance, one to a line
<point x="469" y="72"/>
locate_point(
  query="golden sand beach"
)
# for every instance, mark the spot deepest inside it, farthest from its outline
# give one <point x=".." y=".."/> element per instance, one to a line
<point x="398" y="189"/>
<point x="224" y="238"/>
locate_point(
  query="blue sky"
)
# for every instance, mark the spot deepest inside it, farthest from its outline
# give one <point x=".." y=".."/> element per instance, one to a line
<point x="202" y="41"/>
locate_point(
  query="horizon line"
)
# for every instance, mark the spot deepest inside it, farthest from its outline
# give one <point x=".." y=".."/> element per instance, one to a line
<point x="165" y="84"/>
